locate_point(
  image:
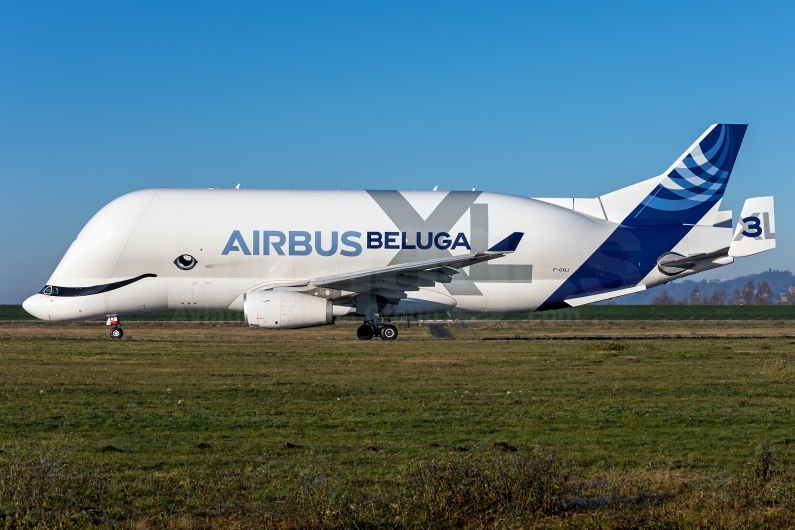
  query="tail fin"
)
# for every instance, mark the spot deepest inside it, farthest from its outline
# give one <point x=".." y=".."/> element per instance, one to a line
<point x="695" y="182"/>
<point x="655" y="215"/>
<point x="756" y="231"/>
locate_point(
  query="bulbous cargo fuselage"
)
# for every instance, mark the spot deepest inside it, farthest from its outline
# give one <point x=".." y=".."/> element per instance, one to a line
<point x="203" y="249"/>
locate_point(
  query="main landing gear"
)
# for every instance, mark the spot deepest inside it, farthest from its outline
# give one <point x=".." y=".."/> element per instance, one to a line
<point x="370" y="329"/>
<point x="116" y="331"/>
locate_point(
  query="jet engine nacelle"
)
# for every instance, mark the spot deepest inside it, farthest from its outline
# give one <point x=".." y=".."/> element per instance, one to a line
<point x="285" y="309"/>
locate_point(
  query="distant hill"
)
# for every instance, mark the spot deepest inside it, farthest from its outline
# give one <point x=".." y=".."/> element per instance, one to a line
<point x="779" y="282"/>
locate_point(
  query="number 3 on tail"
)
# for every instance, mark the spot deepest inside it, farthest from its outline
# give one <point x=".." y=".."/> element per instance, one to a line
<point x="753" y="226"/>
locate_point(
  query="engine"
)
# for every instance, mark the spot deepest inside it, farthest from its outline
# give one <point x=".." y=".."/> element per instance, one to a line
<point x="285" y="309"/>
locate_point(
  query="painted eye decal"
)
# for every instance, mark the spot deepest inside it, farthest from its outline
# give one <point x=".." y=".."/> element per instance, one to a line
<point x="185" y="262"/>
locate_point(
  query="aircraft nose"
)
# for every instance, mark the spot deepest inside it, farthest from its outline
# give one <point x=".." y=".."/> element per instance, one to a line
<point x="35" y="306"/>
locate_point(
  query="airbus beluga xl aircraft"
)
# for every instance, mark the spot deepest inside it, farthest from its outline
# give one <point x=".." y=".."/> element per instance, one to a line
<point x="292" y="259"/>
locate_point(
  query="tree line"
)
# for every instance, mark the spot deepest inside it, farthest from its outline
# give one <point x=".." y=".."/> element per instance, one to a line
<point x="749" y="294"/>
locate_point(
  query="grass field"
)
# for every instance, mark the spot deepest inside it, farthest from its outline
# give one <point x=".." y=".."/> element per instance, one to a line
<point x="191" y="426"/>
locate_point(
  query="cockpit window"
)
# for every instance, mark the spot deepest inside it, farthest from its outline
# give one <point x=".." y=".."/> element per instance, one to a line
<point x="94" y="289"/>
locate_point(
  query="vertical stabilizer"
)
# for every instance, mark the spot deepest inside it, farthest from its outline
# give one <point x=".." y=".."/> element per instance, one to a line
<point x="655" y="215"/>
<point x="695" y="182"/>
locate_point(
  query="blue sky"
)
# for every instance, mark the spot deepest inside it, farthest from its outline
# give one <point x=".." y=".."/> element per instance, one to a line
<point x="554" y="99"/>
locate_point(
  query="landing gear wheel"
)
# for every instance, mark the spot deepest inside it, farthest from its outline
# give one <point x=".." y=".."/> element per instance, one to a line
<point x="365" y="332"/>
<point x="389" y="332"/>
<point x="116" y="332"/>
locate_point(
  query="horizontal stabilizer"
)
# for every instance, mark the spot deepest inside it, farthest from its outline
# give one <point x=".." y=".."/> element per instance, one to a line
<point x="673" y="263"/>
<point x="756" y="231"/>
<point x="509" y="244"/>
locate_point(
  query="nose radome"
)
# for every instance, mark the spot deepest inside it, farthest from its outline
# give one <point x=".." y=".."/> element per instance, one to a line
<point x="35" y="306"/>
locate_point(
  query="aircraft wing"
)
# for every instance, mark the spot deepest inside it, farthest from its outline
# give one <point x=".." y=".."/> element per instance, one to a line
<point x="393" y="281"/>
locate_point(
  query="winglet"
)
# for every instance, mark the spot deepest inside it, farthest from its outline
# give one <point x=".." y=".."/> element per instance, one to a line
<point x="508" y="244"/>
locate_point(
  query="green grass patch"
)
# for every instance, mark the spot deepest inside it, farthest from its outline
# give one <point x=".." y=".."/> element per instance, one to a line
<point x="207" y="433"/>
<point x="14" y="312"/>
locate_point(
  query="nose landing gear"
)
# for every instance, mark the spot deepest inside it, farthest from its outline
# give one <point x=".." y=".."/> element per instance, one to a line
<point x="116" y="331"/>
<point x="370" y="329"/>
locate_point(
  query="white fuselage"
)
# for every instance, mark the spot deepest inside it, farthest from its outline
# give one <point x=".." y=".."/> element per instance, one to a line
<point x="244" y="240"/>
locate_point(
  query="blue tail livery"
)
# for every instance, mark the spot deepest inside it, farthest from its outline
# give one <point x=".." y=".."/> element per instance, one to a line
<point x="659" y="220"/>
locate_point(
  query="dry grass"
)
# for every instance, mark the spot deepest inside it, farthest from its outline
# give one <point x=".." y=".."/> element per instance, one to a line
<point x="527" y="489"/>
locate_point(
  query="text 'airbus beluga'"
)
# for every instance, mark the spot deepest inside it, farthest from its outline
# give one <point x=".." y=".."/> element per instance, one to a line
<point x="291" y="259"/>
